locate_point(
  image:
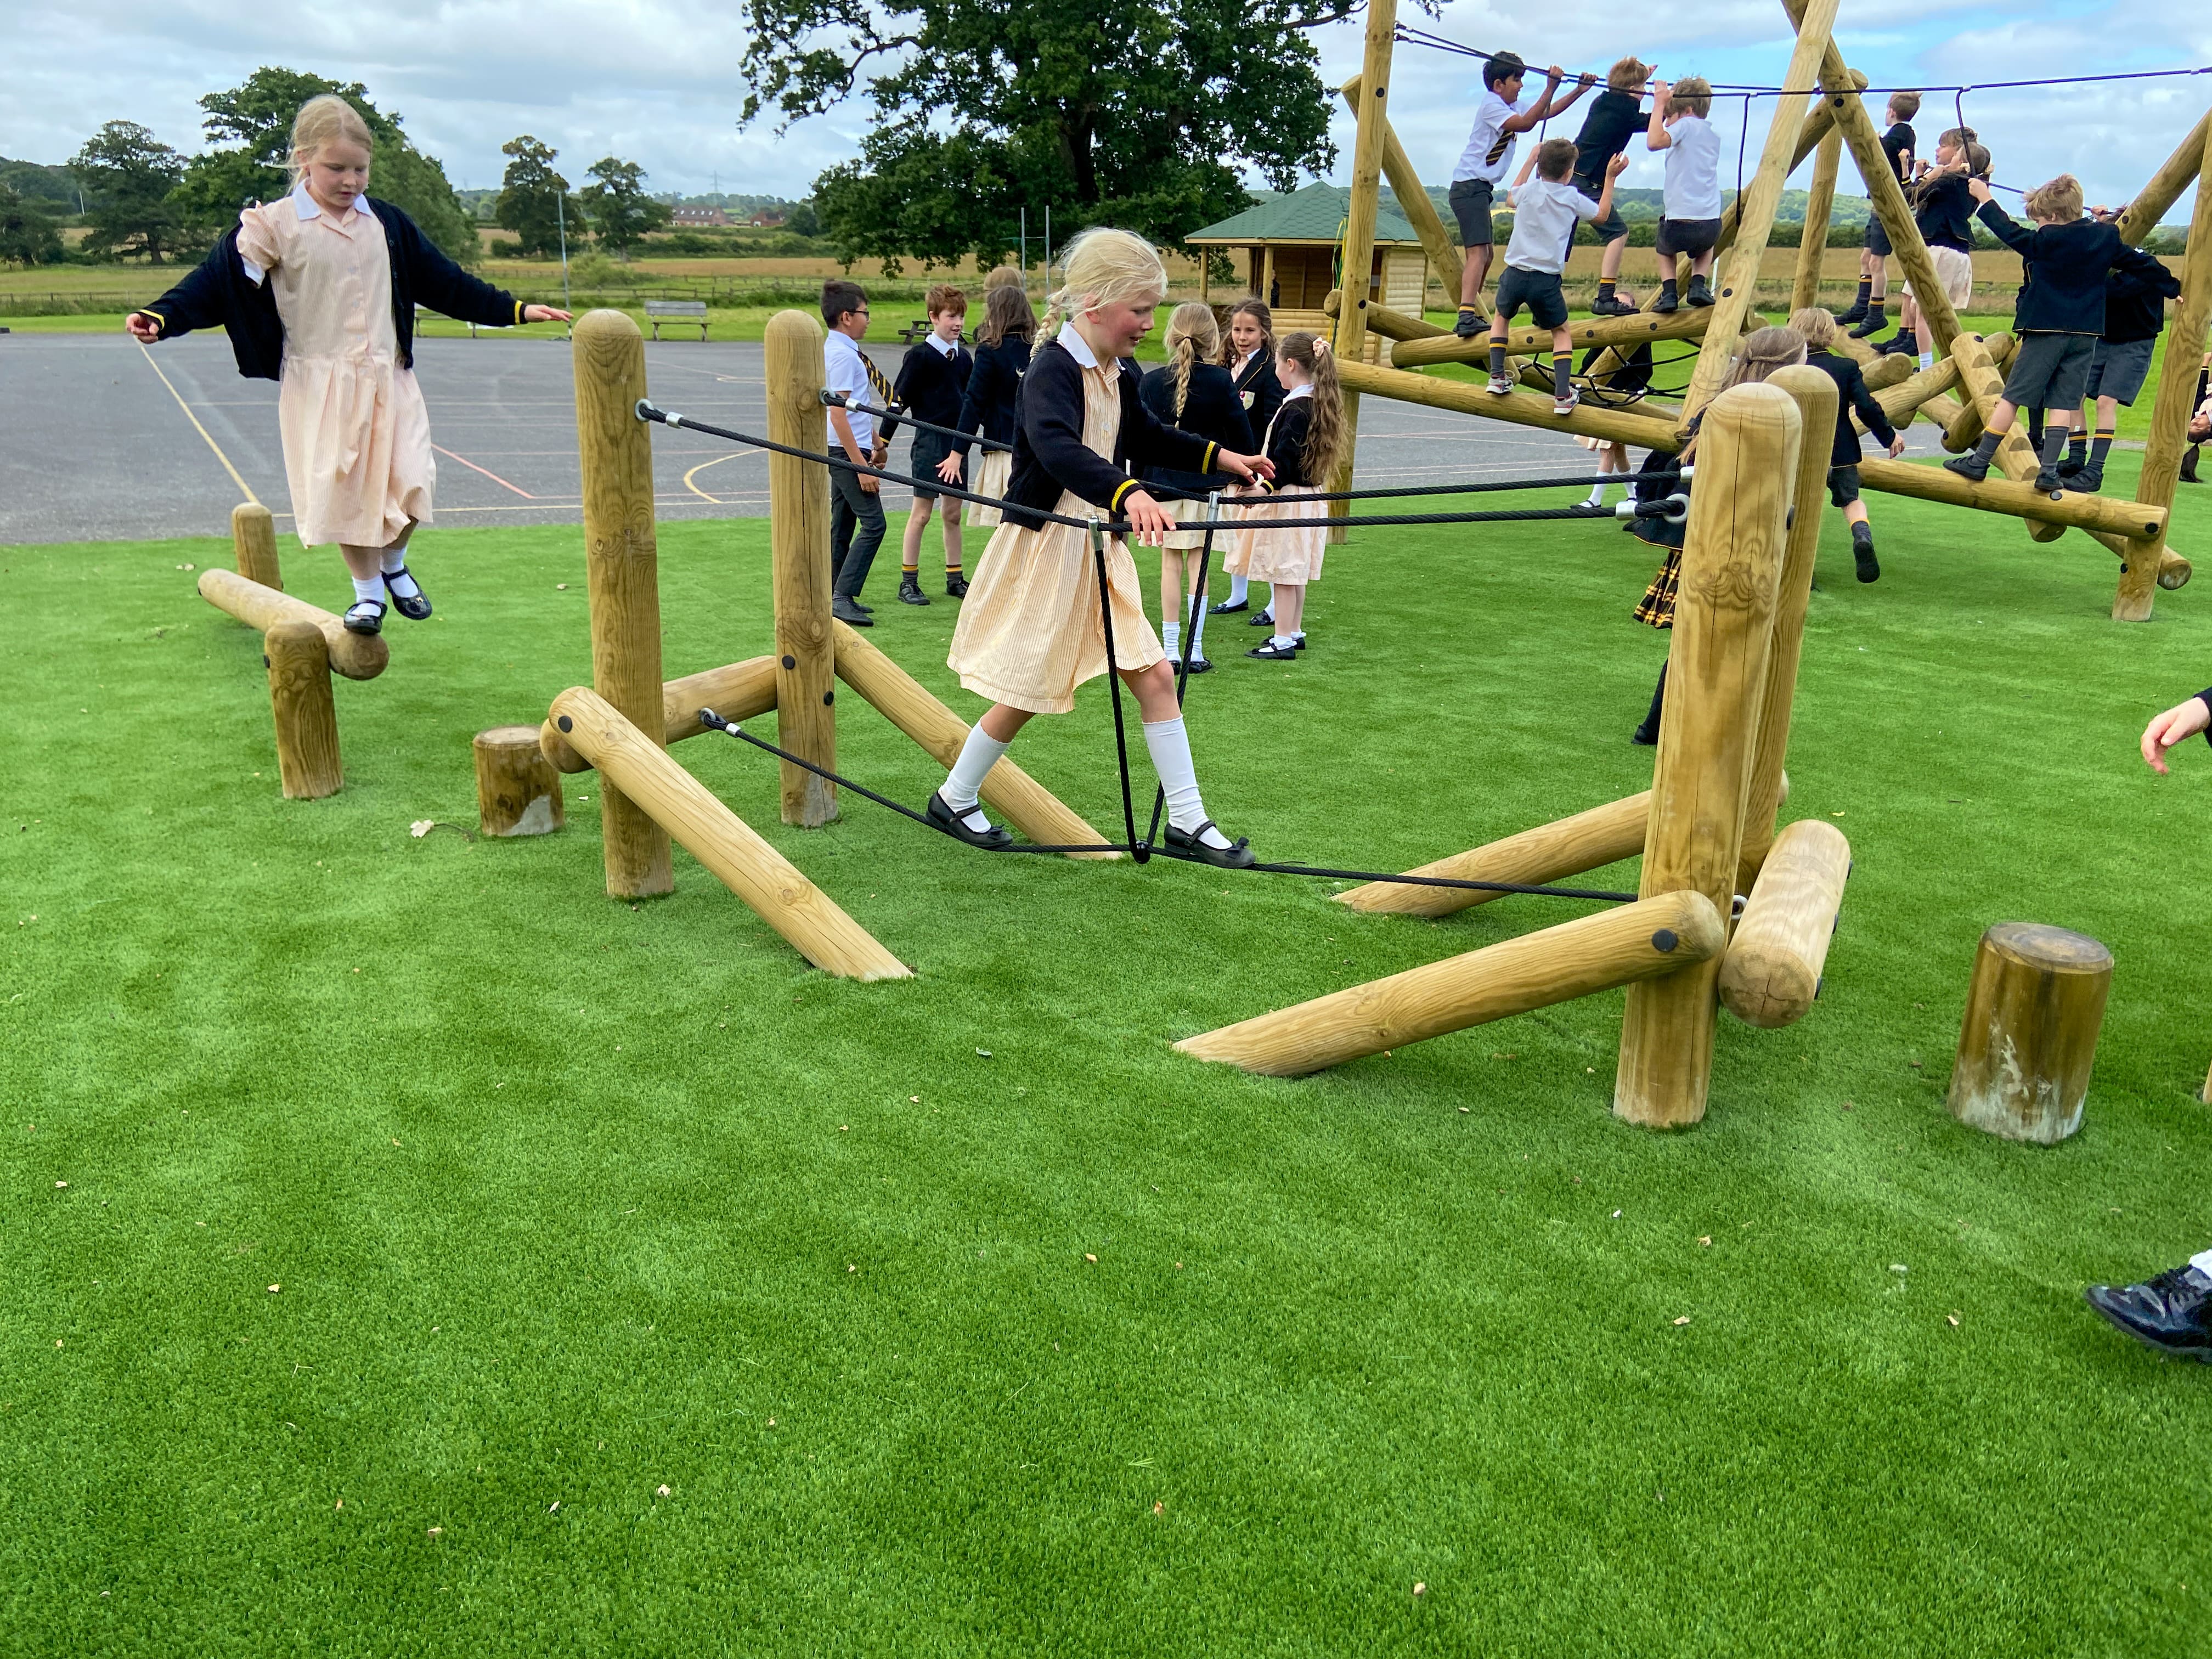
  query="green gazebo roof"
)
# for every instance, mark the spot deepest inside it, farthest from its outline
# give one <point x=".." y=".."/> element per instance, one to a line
<point x="1315" y="214"/>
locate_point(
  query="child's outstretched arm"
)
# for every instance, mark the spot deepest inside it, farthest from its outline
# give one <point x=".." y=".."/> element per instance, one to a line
<point x="2177" y="724"/>
<point x="1613" y="169"/>
<point x="1655" y="135"/>
<point x="2003" y="225"/>
<point x="195" y="302"/>
<point x="1522" y="120"/>
<point x="1552" y="105"/>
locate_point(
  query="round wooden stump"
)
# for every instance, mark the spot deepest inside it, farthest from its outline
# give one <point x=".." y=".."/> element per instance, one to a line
<point x="253" y="535"/>
<point x="2029" y="1037"/>
<point x="518" y="791"/>
<point x="299" y="660"/>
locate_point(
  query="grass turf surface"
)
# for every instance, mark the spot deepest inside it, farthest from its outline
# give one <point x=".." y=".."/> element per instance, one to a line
<point x="570" y="1201"/>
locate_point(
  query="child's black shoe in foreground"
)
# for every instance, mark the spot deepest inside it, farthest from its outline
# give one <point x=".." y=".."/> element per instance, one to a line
<point x="1273" y="652"/>
<point x="414" y="605"/>
<point x="1700" y="294"/>
<point x="1237" y="855"/>
<point x="911" y="590"/>
<point x="365" y="616"/>
<point x="1228" y="606"/>
<point x="2173" y="1312"/>
<point x="992" y="837"/>
<point x="956" y="586"/>
<point x="1969" y="466"/>
<point x="1869" y="567"/>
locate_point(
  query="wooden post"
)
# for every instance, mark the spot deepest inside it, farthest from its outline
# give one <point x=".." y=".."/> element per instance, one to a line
<point x="1371" y="111"/>
<point x="1773" y="970"/>
<point x="622" y="563"/>
<point x="1550" y="852"/>
<point x="1735" y="276"/>
<point x="1007" y="790"/>
<point x="1518" y="408"/>
<point x="1819" y="203"/>
<point x="1645" y="328"/>
<point x="798" y="541"/>
<point x="1716" y="676"/>
<point x="518" y="791"/>
<point x="299" y="661"/>
<point x="1419" y="212"/>
<point x="253" y="535"/>
<point x="1815" y="396"/>
<point x="356" y="656"/>
<point x="1667" y="933"/>
<point x="2150" y="204"/>
<point x="2170" y="412"/>
<point x="738" y="691"/>
<point x="2029" y="1037"/>
<point x="652" y="784"/>
<point x="1979" y="380"/>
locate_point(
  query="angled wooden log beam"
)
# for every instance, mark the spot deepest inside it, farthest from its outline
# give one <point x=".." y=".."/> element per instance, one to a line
<point x="2140" y="578"/>
<point x="1735" y="275"/>
<point x="1645" y="328"/>
<point x="1370" y="111"/>
<point x="1661" y="935"/>
<point x="2180" y="170"/>
<point x="736" y="692"/>
<point x="1550" y="852"/>
<point x="2018" y="500"/>
<point x="1812" y="239"/>
<point x="356" y="656"/>
<point x="2173" y="570"/>
<point x="1413" y="204"/>
<point x="1517" y="408"/>
<point x="1390" y="324"/>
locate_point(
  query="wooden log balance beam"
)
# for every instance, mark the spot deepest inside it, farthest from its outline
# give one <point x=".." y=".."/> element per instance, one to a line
<point x="2018" y="500"/>
<point x="1390" y="324"/>
<point x="1772" y="970"/>
<point x="1517" y="408"/>
<point x="904" y="701"/>
<point x="1642" y="329"/>
<point x="356" y="656"/>
<point x="683" y="807"/>
<point x="1629" y="943"/>
<point x="1716" y="677"/>
<point x="1550" y="852"/>
<point x="739" y="691"/>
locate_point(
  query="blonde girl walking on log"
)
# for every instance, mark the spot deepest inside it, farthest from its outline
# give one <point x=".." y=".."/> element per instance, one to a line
<point x="1030" y="630"/>
<point x="1197" y="395"/>
<point x="1304" y="442"/>
<point x="318" y="291"/>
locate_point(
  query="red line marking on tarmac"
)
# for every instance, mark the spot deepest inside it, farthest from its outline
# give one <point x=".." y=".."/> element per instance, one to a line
<point x="486" y="471"/>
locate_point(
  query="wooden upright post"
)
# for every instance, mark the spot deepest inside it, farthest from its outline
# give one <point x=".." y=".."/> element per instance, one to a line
<point x="2029" y="1035"/>
<point x="253" y="535"/>
<point x="299" y="662"/>
<point x="1819" y="203"/>
<point x="1413" y="204"/>
<point x="1372" y="110"/>
<point x="798" y="542"/>
<point x="2169" y="418"/>
<point x="1747" y="457"/>
<point x="622" y="565"/>
<point x="1736" y="275"/>
<point x="1815" y="396"/>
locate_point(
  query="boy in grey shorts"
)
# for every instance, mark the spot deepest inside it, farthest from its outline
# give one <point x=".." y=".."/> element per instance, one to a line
<point x="2134" y="313"/>
<point x="1500" y="121"/>
<point x="1545" y="214"/>
<point x="2061" y="315"/>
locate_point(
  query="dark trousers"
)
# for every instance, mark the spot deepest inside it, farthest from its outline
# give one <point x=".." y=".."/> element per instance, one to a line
<point x="1651" y="728"/>
<point x="850" y="555"/>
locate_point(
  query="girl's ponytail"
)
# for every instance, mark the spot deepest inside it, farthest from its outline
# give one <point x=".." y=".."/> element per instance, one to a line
<point x="1193" y="337"/>
<point x="1324" y="432"/>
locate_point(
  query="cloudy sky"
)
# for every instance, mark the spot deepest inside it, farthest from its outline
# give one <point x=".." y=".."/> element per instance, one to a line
<point x="656" y="82"/>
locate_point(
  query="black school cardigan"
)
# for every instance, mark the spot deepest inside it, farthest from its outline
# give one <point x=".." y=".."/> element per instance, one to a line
<point x="2066" y="267"/>
<point x="994" y="387"/>
<point x="1211" y="410"/>
<point x="1852" y="394"/>
<point x="2135" y="304"/>
<point x="929" y="386"/>
<point x="1286" y="444"/>
<point x="1258" y="378"/>
<point x="218" y="293"/>
<point x="1050" y="456"/>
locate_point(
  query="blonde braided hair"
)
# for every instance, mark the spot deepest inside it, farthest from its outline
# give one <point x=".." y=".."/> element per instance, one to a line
<point x="1193" y="337"/>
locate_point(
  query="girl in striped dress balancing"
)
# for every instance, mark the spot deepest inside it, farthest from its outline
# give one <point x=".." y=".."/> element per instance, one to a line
<point x="318" y="293"/>
<point x="1304" y="442"/>
<point x="1031" y="631"/>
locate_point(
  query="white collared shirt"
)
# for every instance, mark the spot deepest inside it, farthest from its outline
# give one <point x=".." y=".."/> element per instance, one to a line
<point x="1305" y="391"/>
<point x="945" y="348"/>
<point x="1076" y="346"/>
<point x="305" y="207"/>
<point x="843" y="371"/>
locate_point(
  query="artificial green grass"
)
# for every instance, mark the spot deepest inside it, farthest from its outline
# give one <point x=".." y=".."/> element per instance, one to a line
<point x="570" y="1201"/>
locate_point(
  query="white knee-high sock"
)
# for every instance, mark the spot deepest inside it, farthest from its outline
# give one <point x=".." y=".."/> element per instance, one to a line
<point x="1168" y="743"/>
<point x="963" y="785"/>
<point x="368" y="587"/>
<point x="1198" y="633"/>
<point x="1170" y="637"/>
<point x="1240" y="588"/>
<point x="395" y="561"/>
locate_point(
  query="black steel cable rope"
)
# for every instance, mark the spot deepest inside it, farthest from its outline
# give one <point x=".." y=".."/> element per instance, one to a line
<point x="900" y="417"/>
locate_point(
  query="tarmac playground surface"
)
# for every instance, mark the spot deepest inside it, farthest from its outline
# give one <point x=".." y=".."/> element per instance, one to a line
<point x="102" y="439"/>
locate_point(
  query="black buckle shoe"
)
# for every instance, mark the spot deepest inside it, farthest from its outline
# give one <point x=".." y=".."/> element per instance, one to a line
<point x="956" y="586"/>
<point x="1873" y="321"/>
<point x="1468" y="325"/>
<point x="1700" y="293"/>
<point x="2173" y="1312"/>
<point x="365" y="616"/>
<point x="995" y="839"/>
<point x="910" y="591"/>
<point x="1237" y="855"/>
<point x="1611" y="304"/>
<point x="2089" y="480"/>
<point x="1260" y="619"/>
<point x="1667" y="301"/>
<point x="413" y="610"/>
<point x="1273" y="652"/>
<point x="1227" y="606"/>
<point x="1196" y="666"/>
<point x="1969" y="466"/>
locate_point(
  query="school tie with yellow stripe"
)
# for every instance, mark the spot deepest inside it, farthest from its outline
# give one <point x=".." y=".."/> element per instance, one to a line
<point x="877" y="383"/>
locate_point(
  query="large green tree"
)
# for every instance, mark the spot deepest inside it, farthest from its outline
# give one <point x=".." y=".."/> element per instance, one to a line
<point x="1139" y="113"/>
<point x="534" y="201"/>
<point x="252" y="123"/>
<point x="28" y="236"/>
<point x="127" y="174"/>
<point x="621" y="214"/>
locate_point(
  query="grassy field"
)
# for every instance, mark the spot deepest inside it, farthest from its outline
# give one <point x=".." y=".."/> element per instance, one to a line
<point x="413" y="1251"/>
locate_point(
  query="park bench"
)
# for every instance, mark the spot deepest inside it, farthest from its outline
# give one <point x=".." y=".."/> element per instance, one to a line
<point x="677" y="313"/>
<point x="919" y="329"/>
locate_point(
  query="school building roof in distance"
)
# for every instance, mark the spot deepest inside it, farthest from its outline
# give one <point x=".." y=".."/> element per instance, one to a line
<point x="1315" y="214"/>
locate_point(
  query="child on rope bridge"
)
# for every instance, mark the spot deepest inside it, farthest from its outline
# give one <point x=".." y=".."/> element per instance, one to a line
<point x="1304" y="442"/>
<point x="1198" y="395"/>
<point x="1545" y="213"/>
<point x="1690" y="227"/>
<point x="1942" y="205"/>
<point x="1500" y="121"/>
<point x="2061" y="315"/>
<point x="1031" y="631"/>
<point x="318" y="293"/>
<point x="1869" y="312"/>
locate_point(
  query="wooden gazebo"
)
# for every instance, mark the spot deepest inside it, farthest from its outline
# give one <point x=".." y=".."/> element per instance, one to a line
<point x="1288" y="249"/>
